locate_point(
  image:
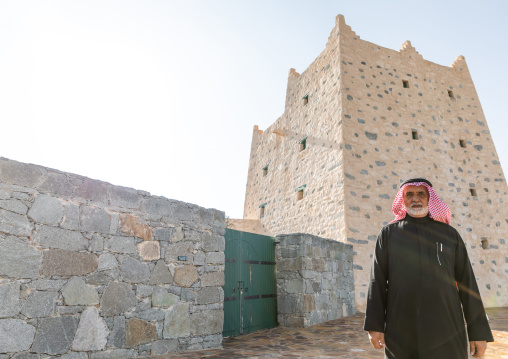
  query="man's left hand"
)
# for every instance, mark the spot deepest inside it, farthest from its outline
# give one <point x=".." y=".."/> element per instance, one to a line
<point x="478" y="348"/>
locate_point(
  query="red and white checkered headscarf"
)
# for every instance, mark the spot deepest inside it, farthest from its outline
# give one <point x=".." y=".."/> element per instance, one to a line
<point x="438" y="210"/>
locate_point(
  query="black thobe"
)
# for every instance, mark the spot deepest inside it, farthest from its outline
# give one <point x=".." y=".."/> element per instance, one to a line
<point x="421" y="274"/>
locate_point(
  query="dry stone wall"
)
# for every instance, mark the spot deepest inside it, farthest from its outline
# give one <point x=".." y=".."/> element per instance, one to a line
<point x="314" y="280"/>
<point x="92" y="270"/>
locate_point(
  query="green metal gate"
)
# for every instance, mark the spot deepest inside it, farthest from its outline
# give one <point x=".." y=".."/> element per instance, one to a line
<point x="250" y="301"/>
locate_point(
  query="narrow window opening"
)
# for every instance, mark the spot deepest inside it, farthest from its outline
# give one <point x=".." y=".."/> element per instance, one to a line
<point x="303" y="144"/>
<point x="262" y="210"/>
<point x="462" y="143"/>
<point x="299" y="192"/>
<point x="305" y="99"/>
<point x="414" y="134"/>
<point x="450" y="94"/>
<point x="473" y="192"/>
<point x="485" y="243"/>
<point x="405" y="84"/>
<point x="265" y="171"/>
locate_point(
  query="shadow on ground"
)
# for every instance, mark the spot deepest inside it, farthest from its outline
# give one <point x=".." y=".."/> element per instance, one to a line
<point x="340" y="338"/>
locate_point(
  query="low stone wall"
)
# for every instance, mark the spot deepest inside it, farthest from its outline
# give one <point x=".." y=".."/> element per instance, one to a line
<point x="314" y="280"/>
<point x="92" y="270"/>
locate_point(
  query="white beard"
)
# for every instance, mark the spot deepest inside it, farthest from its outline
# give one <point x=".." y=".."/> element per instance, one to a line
<point x="420" y="212"/>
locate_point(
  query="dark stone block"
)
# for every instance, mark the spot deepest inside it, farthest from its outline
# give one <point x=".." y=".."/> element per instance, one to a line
<point x="370" y="135"/>
<point x="65" y="263"/>
<point x="357" y="241"/>
<point x="117" y="299"/>
<point x="55" y="335"/>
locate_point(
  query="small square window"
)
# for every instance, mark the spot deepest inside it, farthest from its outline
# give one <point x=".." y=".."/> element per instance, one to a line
<point x="473" y="192"/>
<point x="303" y="144"/>
<point x="299" y="192"/>
<point x="462" y="143"/>
<point x="450" y="94"/>
<point x="305" y="99"/>
<point x="262" y="210"/>
<point x="405" y="84"/>
<point x="485" y="243"/>
<point x="414" y="134"/>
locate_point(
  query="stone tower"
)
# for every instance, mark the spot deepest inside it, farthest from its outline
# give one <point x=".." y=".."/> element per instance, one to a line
<point x="357" y="121"/>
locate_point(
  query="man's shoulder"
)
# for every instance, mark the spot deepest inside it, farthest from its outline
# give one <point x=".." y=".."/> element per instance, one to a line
<point x="387" y="228"/>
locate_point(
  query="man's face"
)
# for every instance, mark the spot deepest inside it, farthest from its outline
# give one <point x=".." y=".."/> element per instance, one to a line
<point x="416" y="200"/>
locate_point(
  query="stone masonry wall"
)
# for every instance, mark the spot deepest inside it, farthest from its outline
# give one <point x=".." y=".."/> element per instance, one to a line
<point x="312" y="114"/>
<point x="390" y="97"/>
<point x="371" y="117"/>
<point x="92" y="270"/>
<point x="314" y="280"/>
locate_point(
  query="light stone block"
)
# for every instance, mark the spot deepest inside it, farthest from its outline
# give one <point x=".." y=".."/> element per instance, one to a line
<point x="15" y="224"/>
<point x="207" y="322"/>
<point x="177" y="321"/>
<point x="149" y="250"/>
<point x="139" y="332"/>
<point x="77" y="292"/>
<point x="212" y="279"/>
<point x="132" y="225"/>
<point x="119" y="244"/>
<point x="9" y="300"/>
<point x="185" y="276"/>
<point x="14" y="205"/>
<point x="40" y="304"/>
<point x="54" y="237"/>
<point x="15" y="335"/>
<point x="92" y="331"/>
<point x="18" y="259"/>
<point x="47" y="209"/>
<point x="107" y="261"/>
<point x="164" y="299"/>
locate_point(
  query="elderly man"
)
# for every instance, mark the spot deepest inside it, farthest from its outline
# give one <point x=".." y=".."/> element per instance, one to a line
<point x="420" y="276"/>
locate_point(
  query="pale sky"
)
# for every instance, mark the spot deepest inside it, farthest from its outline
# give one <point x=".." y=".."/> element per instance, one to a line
<point x="162" y="96"/>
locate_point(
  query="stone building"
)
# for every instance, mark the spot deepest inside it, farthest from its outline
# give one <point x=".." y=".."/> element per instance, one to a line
<point x="357" y="121"/>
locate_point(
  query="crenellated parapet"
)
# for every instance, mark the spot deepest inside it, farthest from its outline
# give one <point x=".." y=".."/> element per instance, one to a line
<point x="409" y="51"/>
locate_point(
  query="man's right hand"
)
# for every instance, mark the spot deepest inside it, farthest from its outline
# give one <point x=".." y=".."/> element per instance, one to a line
<point x="377" y="339"/>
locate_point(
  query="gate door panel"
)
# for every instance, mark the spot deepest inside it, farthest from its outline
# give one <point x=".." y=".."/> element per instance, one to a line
<point x="249" y="290"/>
<point x="231" y="280"/>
